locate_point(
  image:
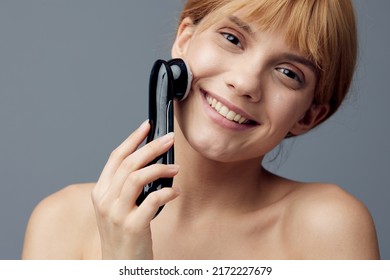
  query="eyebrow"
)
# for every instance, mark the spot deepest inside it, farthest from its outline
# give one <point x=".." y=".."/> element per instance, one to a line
<point x="241" y="24"/>
<point x="301" y="60"/>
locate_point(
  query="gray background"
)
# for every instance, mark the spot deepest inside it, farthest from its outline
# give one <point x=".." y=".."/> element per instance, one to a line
<point x="73" y="85"/>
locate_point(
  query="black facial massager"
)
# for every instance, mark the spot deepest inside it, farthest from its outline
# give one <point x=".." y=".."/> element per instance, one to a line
<point x="168" y="80"/>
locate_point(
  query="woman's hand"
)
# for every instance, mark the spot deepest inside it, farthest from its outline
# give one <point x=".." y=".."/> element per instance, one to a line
<point x="123" y="226"/>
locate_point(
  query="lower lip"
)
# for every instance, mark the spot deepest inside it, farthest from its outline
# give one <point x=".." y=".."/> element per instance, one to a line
<point x="221" y="120"/>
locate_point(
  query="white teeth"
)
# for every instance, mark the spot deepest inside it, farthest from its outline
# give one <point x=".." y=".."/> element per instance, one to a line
<point x="224" y="111"/>
<point x="231" y="115"/>
<point x="218" y="106"/>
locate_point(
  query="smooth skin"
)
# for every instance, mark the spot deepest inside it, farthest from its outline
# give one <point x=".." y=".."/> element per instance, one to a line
<point x="223" y="204"/>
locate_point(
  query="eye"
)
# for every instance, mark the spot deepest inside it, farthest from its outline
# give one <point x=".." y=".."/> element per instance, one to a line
<point x="232" y="39"/>
<point x="289" y="73"/>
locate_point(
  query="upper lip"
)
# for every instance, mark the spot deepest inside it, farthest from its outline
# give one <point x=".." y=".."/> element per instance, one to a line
<point x="231" y="106"/>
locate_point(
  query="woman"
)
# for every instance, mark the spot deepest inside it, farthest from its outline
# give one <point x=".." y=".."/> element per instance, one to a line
<point x="263" y="71"/>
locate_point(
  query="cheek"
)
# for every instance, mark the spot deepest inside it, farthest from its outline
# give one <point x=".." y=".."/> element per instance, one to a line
<point x="203" y="58"/>
<point x="284" y="111"/>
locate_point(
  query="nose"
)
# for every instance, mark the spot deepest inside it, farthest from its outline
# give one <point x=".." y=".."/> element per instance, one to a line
<point x="244" y="79"/>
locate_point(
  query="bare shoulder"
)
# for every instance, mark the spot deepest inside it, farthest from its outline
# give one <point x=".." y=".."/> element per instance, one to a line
<point x="60" y="224"/>
<point x="325" y="222"/>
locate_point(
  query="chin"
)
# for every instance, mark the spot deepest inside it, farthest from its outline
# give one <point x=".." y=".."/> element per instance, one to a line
<point x="212" y="146"/>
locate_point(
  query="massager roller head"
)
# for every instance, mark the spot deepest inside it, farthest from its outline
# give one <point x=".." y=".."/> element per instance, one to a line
<point x="182" y="76"/>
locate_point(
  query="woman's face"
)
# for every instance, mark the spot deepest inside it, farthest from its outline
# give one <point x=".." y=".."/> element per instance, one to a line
<point x="250" y="89"/>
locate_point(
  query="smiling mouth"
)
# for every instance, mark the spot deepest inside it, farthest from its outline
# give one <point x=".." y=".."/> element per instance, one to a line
<point x="226" y="112"/>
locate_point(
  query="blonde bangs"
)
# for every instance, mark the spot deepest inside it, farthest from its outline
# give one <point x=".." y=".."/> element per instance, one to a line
<point x="292" y="17"/>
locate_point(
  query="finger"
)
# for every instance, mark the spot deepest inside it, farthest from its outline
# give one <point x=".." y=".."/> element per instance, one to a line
<point x="137" y="180"/>
<point x="121" y="152"/>
<point x="148" y="209"/>
<point x="138" y="160"/>
<point x="149" y="152"/>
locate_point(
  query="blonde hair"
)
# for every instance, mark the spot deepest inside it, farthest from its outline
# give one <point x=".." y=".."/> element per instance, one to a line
<point x="323" y="30"/>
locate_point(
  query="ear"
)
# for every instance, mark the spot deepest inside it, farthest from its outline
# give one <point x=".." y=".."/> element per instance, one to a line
<point x="184" y="34"/>
<point x="313" y="116"/>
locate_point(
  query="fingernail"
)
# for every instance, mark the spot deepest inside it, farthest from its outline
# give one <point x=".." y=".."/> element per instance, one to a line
<point x="174" y="167"/>
<point x="166" y="139"/>
<point x="144" y="123"/>
<point x="177" y="190"/>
